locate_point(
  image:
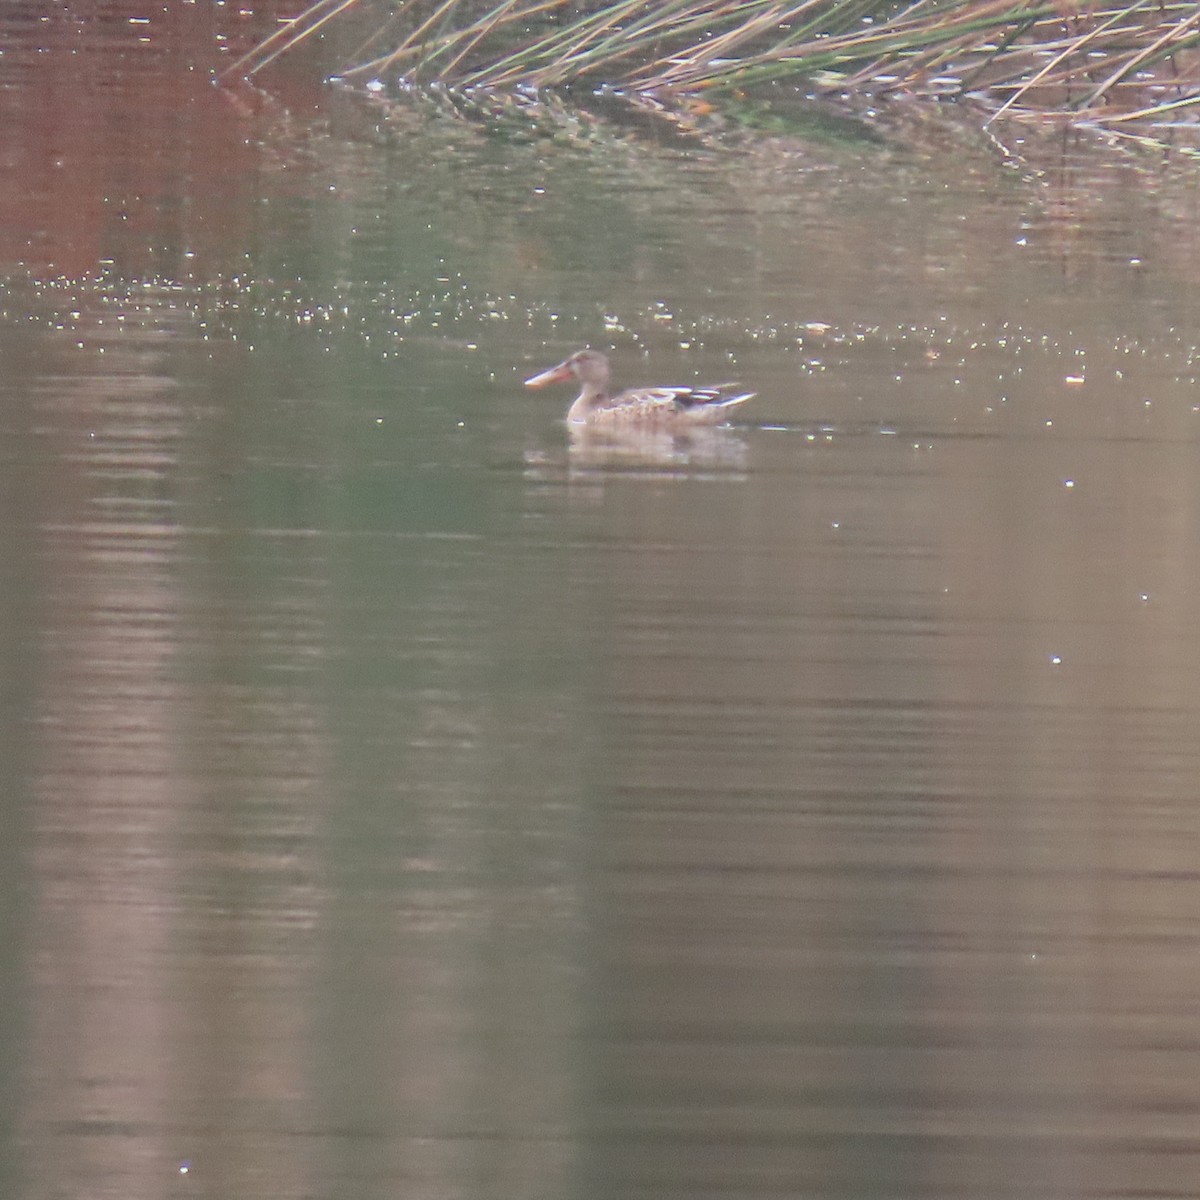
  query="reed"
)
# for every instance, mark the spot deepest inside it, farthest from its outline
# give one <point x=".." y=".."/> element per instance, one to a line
<point x="1069" y="59"/>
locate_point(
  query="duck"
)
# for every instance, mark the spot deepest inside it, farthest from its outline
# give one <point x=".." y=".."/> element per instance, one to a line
<point x="656" y="406"/>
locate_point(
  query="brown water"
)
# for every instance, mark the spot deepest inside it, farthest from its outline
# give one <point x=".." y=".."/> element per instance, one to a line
<point x="404" y="800"/>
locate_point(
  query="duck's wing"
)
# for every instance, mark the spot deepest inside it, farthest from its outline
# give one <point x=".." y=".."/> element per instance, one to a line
<point x="722" y="395"/>
<point x="695" y="403"/>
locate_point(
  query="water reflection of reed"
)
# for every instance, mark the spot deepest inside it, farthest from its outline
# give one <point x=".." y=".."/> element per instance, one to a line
<point x="1133" y="62"/>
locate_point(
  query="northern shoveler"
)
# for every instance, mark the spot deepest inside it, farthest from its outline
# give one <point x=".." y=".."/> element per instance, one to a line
<point x="650" y="406"/>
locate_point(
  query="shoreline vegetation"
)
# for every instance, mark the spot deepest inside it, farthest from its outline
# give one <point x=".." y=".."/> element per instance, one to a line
<point x="1120" y="67"/>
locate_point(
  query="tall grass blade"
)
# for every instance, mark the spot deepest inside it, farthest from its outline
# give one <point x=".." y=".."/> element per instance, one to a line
<point x="290" y="36"/>
<point x="1146" y="54"/>
<point x="1073" y="47"/>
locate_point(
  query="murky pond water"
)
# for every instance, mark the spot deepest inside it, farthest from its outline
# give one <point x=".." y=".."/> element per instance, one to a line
<point x="404" y="798"/>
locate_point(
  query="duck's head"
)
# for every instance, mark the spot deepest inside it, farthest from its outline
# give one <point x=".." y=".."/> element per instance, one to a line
<point x="590" y="367"/>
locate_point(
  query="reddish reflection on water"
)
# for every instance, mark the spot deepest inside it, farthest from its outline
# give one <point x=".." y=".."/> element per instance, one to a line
<point x="111" y="120"/>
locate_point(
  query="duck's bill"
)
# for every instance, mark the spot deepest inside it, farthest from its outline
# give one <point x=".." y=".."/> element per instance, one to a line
<point x="557" y="374"/>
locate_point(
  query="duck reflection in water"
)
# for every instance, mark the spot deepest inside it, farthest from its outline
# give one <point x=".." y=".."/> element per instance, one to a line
<point x="600" y="447"/>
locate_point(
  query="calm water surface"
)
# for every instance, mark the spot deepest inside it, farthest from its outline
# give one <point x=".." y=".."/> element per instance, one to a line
<point x="405" y="800"/>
